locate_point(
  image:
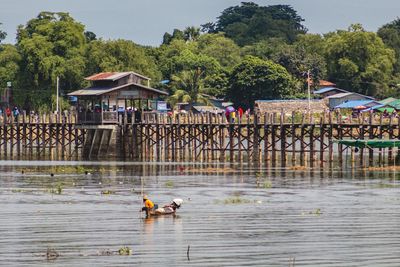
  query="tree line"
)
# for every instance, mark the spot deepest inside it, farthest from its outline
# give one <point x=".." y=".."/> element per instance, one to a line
<point x="250" y="52"/>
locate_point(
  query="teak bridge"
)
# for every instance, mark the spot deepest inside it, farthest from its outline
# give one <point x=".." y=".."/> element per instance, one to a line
<point x="275" y="139"/>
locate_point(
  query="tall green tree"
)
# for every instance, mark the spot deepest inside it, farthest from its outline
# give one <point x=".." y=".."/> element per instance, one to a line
<point x="249" y="23"/>
<point x="359" y="60"/>
<point x="9" y="65"/>
<point x="50" y="45"/>
<point x="223" y="49"/>
<point x="298" y="62"/>
<point x="255" y="79"/>
<point x="390" y="34"/>
<point x="119" y="55"/>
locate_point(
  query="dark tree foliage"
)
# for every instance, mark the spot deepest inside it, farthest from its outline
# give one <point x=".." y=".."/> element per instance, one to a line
<point x="3" y="35"/>
<point x="209" y="27"/>
<point x="176" y="35"/>
<point x="298" y="62"/>
<point x="390" y="34"/>
<point x="90" y="36"/>
<point x="51" y="46"/>
<point x="250" y="23"/>
<point x="254" y="79"/>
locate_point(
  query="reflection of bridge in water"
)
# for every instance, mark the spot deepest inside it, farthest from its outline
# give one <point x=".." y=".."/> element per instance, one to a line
<point x="271" y="138"/>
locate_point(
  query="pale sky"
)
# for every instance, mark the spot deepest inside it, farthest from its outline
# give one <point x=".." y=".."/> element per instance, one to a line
<point x="145" y="21"/>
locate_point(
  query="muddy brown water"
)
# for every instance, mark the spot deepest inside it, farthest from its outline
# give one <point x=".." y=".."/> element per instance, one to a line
<point x="233" y="215"/>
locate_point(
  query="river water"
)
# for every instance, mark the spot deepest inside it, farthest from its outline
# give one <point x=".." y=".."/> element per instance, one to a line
<point x="233" y="215"/>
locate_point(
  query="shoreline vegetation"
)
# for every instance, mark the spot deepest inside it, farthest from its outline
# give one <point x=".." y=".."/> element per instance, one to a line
<point x="250" y="52"/>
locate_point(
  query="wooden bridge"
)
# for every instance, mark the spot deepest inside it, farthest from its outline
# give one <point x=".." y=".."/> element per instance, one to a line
<point x="271" y="138"/>
<point x="275" y="139"/>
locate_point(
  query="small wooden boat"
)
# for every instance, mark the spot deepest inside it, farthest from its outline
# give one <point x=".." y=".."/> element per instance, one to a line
<point x="169" y="209"/>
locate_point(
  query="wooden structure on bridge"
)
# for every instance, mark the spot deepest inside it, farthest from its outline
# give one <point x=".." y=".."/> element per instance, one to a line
<point x="112" y="99"/>
<point x="114" y="93"/>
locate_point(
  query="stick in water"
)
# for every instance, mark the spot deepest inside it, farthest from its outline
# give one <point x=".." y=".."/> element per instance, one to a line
<point x="187" y="253"/>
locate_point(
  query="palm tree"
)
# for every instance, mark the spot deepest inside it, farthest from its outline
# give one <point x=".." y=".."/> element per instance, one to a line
<point x="189" y="87"/>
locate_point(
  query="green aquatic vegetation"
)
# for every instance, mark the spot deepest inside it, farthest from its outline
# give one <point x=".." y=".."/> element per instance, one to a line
<point x="57" y="190"/>
<point x="316" y="212"/>
<point x="234" y="200"/>
<point x="169" y="184"/>
<point x="107" y="192"/>
<point x="17" y="190"/>
<point x="58" y="170"/>
<point x="383" y="185"/>
<point x="125" y="251"/>
<point x="267" y="184"/>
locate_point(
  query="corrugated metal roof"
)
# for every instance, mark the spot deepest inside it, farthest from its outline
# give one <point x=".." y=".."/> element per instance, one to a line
<point x="112" y="76"/>
<point x="328" y="89"/>
<point x="395" y="104"/>
<point x="207" y="109"/>
<point x="387" y="100"/>
<point x="354" y="103"/>
<point x="287" y="101"/>
<point x="340" y="95"/>
<point x="92" y="91"/>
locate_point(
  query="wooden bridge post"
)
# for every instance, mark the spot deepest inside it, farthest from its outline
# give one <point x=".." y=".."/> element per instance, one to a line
<point x="256" y="139"/>
<point x="273" y="140"/>
<point x="302" y="145"/>
<point x="266" y="138"/>
<point x="371" y="136"/>
<point x="380" y="137"/>
<point x="330" y="136"/>
<point x="293" y="130"/>
<point x="283" y="139"/>
<point x="390" y="130"/>
<point x="322" y="131"/>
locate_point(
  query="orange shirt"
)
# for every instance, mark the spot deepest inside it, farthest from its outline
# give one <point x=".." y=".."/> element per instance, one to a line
<point x="149" y="204"/>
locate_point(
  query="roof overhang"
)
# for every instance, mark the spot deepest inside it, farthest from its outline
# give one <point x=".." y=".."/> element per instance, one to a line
<point x="113" y="76"/>
<point x="92" y="91"/>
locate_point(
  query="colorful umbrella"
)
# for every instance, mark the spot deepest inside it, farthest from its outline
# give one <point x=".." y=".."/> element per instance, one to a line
<point x="230" y="109"/>
<point x="360" y="107"/>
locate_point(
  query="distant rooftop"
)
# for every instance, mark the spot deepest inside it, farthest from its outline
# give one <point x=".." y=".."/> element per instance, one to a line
<point x="340" y="95"/>
<point x="324" y="83"/>
<point x="328" y="89"/>
<point x="387" y="100"/>
<point x="112" y="76"/>
<point x="354" y="103"/>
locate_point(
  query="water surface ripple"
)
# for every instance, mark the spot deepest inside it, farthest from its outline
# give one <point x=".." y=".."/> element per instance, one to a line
<point x="314" y="218"/>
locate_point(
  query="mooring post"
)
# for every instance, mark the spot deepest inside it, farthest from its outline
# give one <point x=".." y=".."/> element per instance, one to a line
<point x="283" y="139"/>
<point x="293" y="136"/>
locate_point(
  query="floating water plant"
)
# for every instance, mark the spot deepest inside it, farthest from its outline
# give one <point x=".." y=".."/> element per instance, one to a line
<point x="125" y="251"/>
<point x="56" y="190"/>
<point x="169" y="184"/>
<point x="107" y="192"/>
<point x="51" y="254"/>
<point x="316" y="212"/>
<point x="236" y="200"/>
<point x="267" y="184"/>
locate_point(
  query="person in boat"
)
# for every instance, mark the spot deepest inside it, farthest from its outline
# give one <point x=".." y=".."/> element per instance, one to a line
<point x="148" y="205"/>
<point x="171" y="208"/>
